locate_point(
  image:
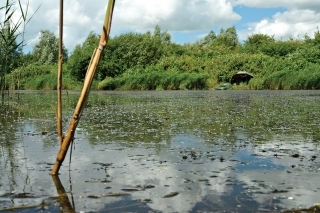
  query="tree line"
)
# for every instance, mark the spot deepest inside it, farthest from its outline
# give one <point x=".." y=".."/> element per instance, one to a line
<point x="151" y="61"/>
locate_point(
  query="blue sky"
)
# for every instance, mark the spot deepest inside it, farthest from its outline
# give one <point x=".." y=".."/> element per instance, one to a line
<point x="252" y="14"/>
<point x="248" y="15"/>
<point x="186" y="20"/>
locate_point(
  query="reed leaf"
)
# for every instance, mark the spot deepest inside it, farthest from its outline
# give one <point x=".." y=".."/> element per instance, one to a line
<point x="9" y="34"/>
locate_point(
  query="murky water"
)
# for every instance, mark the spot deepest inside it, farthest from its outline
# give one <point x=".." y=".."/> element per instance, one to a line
<point x="167" y="151"/>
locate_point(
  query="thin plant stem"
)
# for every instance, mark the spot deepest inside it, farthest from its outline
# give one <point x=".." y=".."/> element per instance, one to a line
<point x="59" y="86"/>
<point x="85" y="90"/>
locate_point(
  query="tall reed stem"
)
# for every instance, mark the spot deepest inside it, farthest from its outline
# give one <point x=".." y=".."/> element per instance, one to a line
<point x="59" y="110"/>
<point x="85" y="90"/>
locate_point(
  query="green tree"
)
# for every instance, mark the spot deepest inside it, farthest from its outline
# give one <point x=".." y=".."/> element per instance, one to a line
<point x="165" y="37"/>
<point x="208" y="39"/>
<point x="122" y="53"/>
<point x="129" y="50"/>
<point x="228" y="38"/>
<point x="79" y="60"/>
<point x="46" y="51"/>
<point x="313" y="41"/>
<point x="280" y="48"/>
<point x="255" y="42"/>
<point x="262" y="43"/>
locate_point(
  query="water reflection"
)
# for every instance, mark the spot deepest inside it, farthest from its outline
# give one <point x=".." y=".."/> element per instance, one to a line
<point x="165" y="151"/>
<point x="63" y="198"/>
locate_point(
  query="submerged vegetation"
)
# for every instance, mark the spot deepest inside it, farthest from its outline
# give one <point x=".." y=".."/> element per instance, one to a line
<point x="151" y="61"/>
<point x="146" y="147"/>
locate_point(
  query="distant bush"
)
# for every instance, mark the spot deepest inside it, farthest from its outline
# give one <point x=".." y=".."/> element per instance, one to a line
<point x="47" y="81"/>
<point x="307" y="77"/>
<point x="156" y="81"/>
<point x="39" y="77"/>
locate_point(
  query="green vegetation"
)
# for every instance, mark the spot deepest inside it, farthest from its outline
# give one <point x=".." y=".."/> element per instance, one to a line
<point x="151" y="61"/>
<point x="156" y="81"/>
<point x="12" y="29"/>
<point x="46" y="51"/>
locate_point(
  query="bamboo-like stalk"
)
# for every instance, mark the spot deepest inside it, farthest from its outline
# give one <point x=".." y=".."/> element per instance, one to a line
<point x="85" y="89"/>
<point x="59" y="84"/>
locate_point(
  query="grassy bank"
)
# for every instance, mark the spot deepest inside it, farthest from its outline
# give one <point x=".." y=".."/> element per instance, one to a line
<point x="38" y="77"/>
<point x="156" y="81"/>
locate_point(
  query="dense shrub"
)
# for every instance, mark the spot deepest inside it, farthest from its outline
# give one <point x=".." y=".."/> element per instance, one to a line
<point x="304" y="78"/>
<point x="157" y="81"/>
<point x="36" y="77"/>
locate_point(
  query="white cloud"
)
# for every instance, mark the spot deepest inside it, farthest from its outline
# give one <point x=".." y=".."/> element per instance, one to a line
<point x="302" y="17"/>
<point x="174" y="15"/>
<point x="294" y="23"/>
<point x="81" y="17"/>
<point x="289" y="4"/>
<point x="196" y="16"/>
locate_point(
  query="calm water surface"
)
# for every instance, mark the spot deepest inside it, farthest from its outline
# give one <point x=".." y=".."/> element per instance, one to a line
<point x="166" y="151"/>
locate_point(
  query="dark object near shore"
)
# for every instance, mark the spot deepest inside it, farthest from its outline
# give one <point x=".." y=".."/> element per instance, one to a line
<point x="241" y="76"/>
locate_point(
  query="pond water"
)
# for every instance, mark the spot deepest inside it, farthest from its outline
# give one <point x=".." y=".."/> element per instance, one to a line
<point x="163" y="151"/>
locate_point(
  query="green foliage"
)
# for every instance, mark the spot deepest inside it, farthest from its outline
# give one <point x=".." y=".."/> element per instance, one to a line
<point x="280" y="48"/>
<point x="305" y="78"/>
<point x="122" y="53"/>
<point x="35" y="76"/>
<point x="261" y="55"/>
<point x="157" y="81"/>
<point x="79" y="61"/>
<point x="256" y="42"/>
<point x="224" y="67"/>
<point x="315" y="41"/>
<point x="150" y="61"/>
<point x="208" y="39"/>
<point x="173" y="49"/>
<point x="10" y="48"/>
<point x="46" y="51"/>
<point x="129" y="50"/>
<point x="184" y="63"/>
<point x="47" y="81"/>
<point x="256" y="84"/>
<point x="32" y="73"/>
<point x="261" y="43"/>
<point x="227" y="38"/>
<point x="164" y="37"/>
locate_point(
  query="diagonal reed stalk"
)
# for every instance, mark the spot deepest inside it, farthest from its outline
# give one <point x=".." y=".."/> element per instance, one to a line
<point x="85" y="89"/>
